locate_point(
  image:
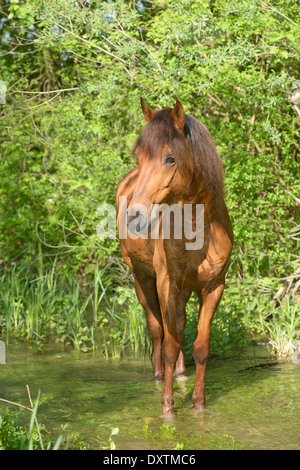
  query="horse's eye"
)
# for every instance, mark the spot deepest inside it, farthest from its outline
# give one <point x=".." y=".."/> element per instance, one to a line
<point x="169" y="160"/>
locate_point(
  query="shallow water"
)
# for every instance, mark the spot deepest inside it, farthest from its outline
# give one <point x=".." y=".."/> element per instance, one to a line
<point x="253" y="401"/>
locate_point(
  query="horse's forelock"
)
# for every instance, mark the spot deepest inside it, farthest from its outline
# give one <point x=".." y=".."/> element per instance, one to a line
<point x="160" y="131"/>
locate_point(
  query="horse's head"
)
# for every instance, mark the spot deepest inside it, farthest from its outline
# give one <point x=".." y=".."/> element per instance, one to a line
<point x="165" y="164"/>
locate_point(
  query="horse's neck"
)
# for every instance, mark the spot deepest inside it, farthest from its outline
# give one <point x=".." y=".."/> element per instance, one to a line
<point x="198" y="193"/>
<point x="214" y="204"/>
<point x="215" y="209"/>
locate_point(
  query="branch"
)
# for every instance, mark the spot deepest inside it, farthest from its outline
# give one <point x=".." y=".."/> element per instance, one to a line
<point x="15" y="404"/>
<point x="66" y="244"/>
<point x="39" y="105"/>
<point x="296" y="109"/>
<point x="143" y="44"/>
<point x="271" y="8"/>
<point x="290" y="194"/>
<point x="44" y="92"/>
<point x="122" y="62"/>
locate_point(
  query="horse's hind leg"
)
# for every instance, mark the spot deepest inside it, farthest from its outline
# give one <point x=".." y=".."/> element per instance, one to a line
<point x="180" y="325"/>
<point x="209" y="305"/>
<point x="145" y="287"/>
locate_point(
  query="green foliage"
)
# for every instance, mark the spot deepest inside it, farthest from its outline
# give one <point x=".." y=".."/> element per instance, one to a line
<point x="112" y="445"/>
<point x="74" y="72"/>
<point x="230" y="328"/>
<point x="14" y="436"/>
<point x="283" y="329"/>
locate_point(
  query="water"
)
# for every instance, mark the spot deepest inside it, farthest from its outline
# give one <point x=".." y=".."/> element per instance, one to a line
<point x="253" y="401"/>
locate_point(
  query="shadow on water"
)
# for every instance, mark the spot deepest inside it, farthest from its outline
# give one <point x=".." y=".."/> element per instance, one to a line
<point x="253" y="401"/>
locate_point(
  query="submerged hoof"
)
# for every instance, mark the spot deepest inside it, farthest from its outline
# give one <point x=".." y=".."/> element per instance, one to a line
<point x="159" y="377"/>
<point x="168" y="414"/>
<point x="181" y="377"/>
<point x="200" y="409"/>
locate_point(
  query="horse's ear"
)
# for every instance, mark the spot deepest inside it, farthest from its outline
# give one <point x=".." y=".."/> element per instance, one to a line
<point x="178" y="115"/>
<point x="147" y="111"/>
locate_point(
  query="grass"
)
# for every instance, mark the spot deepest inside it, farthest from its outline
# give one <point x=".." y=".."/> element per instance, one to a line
<point x="282" y="328"/>
<point x="16" y="436"/>
<point x="43" y="301"/>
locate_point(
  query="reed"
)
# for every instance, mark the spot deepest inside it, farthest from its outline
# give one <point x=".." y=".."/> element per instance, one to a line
<point x="282" y="327"/>
<point x="39" y="302"/>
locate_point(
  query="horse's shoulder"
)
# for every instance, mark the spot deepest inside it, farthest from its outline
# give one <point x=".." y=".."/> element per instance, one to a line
<point x="126" y="185"/>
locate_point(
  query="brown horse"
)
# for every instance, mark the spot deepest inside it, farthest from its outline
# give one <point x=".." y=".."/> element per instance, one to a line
<point x="177" y="163"/>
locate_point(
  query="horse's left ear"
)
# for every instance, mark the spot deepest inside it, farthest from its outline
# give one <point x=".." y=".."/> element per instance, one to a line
<point x="178" y="115"/>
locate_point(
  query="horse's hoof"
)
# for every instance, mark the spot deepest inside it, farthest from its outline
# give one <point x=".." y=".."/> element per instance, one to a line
<point x="180" y="371"/>
<point x="181" y="377"/>
<point x="200" y="409"/>
<point x="168" y="414"/>
<point x="159" y="378"/>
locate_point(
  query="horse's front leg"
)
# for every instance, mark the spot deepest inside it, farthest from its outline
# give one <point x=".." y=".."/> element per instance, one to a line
<point x="168" y="295"/>
<point x="145" y="287"/>
<point x="209" y="305"/>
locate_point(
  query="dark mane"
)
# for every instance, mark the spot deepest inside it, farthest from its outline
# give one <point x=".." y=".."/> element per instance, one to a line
<point x="206" y="161"/>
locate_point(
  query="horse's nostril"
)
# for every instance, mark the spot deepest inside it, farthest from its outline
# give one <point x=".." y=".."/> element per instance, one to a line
<point x="131" y="218"/>
<point x="136" y="224"/>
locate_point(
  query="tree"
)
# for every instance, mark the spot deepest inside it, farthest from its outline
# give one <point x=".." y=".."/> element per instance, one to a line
<point x="74" y="72"/>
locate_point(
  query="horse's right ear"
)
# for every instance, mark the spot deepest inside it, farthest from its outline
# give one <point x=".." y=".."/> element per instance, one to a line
<point x="147" y="111"/>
